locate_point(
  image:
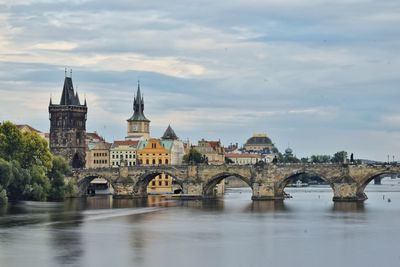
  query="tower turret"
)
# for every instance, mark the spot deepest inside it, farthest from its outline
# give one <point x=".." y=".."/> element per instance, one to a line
<point x="68" y="126"/>
<point x="138" y="124"/>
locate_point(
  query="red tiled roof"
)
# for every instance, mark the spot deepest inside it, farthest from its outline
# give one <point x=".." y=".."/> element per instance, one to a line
<point x="94" y="135"/>
<point x="125" y="143"/>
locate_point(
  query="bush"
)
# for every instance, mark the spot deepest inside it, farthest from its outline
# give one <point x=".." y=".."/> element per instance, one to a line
<point x="3" y="196"/>
<point x="71" y="189"/>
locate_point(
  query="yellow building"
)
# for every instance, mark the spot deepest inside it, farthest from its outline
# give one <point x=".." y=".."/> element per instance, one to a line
<point x="153" y="152"/>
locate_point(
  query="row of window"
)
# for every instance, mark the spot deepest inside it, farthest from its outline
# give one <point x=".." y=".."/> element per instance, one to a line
<point x="154" y="162"/>
<point x="100" y="161"/>
<point x="154" y="154"/>
<point x="122" y="156"/>
<point x="153" y="183"/>
<point x="130" y="163"/>
<point x="100" y="154"/>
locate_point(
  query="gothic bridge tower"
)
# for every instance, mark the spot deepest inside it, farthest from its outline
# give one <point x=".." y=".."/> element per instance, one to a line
<point x="68" y="126"/>
<point x="138" y="124"/>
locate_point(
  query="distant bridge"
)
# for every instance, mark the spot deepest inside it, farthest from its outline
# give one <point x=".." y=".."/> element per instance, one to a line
<point x="267" y="181"/>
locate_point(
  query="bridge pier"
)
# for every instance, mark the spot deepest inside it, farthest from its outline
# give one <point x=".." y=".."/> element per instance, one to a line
<point x="347" y="192"/>
<point x="265" y="191"/>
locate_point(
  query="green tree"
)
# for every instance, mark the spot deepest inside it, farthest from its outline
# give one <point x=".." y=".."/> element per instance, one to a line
<point x="6" y="174"/>
<point x="27" y="148"/>
<point x="3" y="196"/>
<point x="320" y="158"/>
<point x="304" y="160"/>
<point x="194" y="157"/>
<point x="35" y="151"/>
<point x="11" y="143"/>
<point x="228" y="160"/>
<point x="339" y="157"/>
<point x="57" y="178"/>
<point x="20" y="184"/>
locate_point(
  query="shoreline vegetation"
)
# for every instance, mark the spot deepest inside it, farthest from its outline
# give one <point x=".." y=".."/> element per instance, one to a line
<point x="28" y="170"/>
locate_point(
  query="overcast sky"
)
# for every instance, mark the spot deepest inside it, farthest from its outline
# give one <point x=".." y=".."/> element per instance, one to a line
<point x="318" y="75"/>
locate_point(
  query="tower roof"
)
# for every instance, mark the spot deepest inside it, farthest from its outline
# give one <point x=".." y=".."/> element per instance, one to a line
<point x="138" y="107"/>
<point x="169" y="134"/>
<point x="68" y="96"/>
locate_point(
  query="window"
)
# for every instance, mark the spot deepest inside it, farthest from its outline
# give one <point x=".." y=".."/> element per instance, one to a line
<point x="153" y="183"/>
<point x="147" y="161"/>
<point x="154" y="162"/>
<point x="166" y="161"/>
<point x="166" y="176"/>
<point x="166" y="183"/>
<point x="159" y="183"/>
<point x="160" y="161"/>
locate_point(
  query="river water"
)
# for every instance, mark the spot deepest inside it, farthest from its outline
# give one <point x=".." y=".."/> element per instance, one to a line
<point x="307" y="230"/>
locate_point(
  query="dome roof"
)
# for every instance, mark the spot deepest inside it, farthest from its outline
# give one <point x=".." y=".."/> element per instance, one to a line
<point x="289" y="151"/>
<point x="259" y="140"/>
<point x="169" y="134"/>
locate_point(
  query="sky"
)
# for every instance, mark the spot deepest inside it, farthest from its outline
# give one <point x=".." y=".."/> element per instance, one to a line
<point x="316" y="75"/>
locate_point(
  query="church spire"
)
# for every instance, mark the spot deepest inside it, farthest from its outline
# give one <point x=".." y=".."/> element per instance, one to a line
<point x="68" y="96"/>
<point x="138" y="107"/>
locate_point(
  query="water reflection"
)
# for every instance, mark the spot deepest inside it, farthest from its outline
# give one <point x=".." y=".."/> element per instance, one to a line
<point x="266" y="206"/>
<point x="348" y="207"/>
<point x="204" y="205"/>
<point x="66" y="236"/>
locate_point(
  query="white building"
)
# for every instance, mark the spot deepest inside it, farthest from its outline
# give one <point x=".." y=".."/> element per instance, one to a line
<point x="123" y="151"/>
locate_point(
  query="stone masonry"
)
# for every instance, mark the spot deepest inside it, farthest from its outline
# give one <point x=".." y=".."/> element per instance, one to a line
<point x="267" y="182"/>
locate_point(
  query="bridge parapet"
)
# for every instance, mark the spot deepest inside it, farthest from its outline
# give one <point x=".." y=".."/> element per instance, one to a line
<point x="267" y="181"/>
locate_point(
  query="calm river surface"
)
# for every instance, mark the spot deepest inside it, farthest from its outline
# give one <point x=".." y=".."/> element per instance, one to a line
<point x="307" y="230"/>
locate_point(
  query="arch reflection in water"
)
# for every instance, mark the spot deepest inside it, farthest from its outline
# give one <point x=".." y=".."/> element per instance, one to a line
<point x="266" y="206"/>
<point x="348" y="206"/>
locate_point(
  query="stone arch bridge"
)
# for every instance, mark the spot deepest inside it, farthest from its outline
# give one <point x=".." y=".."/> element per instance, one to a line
<point x="267" y="181"/>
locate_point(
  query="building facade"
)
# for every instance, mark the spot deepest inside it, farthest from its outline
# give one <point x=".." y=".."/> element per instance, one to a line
<point x="68" y="126"/>
<point x="98" y="155"/>
<point x="138" y="124"/>
<point x="244" y="159"/>
<point x="176" y="147"/>
<point x="259" y="143"/>
<point x="153" y="152"/>
<point x="212" y="150"/>
<point x="123" y="152"/>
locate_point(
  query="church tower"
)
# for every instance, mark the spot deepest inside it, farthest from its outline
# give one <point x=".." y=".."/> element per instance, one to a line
<point x="68" y="126"/>
<point x="138" y="124"/>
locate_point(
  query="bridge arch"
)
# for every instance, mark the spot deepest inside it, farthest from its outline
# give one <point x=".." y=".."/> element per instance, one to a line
<point x="209" y="186"/>
<point x="83" y="183"/>
<point x="282" y="184"/>
<point x="369" y="178"/>
<point x="146" y="178"/>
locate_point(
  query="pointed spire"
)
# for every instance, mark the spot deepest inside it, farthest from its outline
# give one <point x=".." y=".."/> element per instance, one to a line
<point x="51" y="100"/>
<point x="85" y="104"/>
<point x="78" y="102"/>
<point x="169" y="134"/>
<point x="138" y="106"/>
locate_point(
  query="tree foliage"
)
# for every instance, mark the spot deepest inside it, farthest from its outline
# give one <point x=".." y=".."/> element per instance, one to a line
<point x="194" y="157"/>
<point x="28" y="171"/>
<point x="320" y="158"/>
<point x="339" y="157"/>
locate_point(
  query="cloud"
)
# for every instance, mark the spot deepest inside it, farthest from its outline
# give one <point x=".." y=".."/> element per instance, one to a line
<point x="320" y="76"/>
